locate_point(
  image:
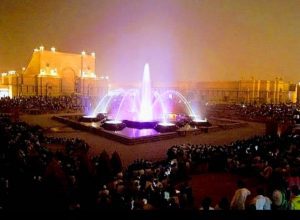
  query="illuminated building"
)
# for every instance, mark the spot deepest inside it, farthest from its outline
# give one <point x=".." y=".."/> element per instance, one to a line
<point x="241" y="91"/>
<point x="53" y="73"/>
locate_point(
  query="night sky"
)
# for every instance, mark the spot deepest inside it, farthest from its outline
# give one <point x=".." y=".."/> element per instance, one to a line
<point x="180" y="39"/>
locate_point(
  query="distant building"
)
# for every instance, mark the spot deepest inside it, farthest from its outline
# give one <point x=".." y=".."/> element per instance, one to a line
<point x="52" y="73"/>
<point x="241" y="91"/>
<point x="298" y="93"/>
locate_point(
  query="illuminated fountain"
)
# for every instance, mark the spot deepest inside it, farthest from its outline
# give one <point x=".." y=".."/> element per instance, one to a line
<point x="143" y="109"/>
<point x="146" y="114"/>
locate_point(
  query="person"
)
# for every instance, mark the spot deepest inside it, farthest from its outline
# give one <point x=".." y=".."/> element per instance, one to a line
<point x="223" y="204"/>
<point x="146" y="205"/>
<point x="206" y="204"/>
<point x="240" y="196"/>
<point x="279" y="200"/>
<point x="267" y="171"/>
<point x="261" y="202"/>
<point x="295" y="199"/>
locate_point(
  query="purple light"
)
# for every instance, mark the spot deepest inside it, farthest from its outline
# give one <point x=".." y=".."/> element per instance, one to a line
<point x="144" y="104"/>
<point x="113" y="125"/>
<point x="137" y="133"/>
<point x="146" y="113"/>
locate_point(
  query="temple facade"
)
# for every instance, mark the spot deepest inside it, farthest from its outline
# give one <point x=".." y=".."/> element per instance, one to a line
<point x="53" y="73"/>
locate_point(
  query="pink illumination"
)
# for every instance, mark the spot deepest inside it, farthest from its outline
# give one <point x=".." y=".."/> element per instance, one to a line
<point x="144" y="105"/>
<point x="146" y="113"/>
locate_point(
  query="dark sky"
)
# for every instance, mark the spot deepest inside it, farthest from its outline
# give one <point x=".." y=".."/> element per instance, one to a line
<point x="180" y="39"/>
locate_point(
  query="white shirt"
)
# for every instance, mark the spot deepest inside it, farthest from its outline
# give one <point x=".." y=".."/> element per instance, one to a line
<point x="262" y="202"/>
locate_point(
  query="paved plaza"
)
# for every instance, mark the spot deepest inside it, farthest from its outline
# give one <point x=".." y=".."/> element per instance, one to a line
<point x="151" y="151"/>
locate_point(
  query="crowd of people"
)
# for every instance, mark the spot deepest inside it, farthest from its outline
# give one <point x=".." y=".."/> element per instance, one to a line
<point x="75" y="103"/>
<point x="274" y="160"/>
<point x="34" y="177"/>
<point x="251" y="112"/>
<point x="42" y="104"/>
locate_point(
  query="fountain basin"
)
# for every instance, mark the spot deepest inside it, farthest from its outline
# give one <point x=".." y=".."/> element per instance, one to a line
<point x="166" y="127"/>
<point x="89" y="118"/>
<point x="181" y="123"/>
<point x="140" y="124"/>
<point x="200" y="123"/>
<point x="113" y="125"/>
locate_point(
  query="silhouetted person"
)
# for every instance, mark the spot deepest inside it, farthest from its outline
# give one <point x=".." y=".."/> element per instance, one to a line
<point x="206" y="204"/>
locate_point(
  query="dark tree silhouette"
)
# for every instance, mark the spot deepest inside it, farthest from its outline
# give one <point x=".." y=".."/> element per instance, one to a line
<point x="104" y="169"/>
<point x="116" y="163"/>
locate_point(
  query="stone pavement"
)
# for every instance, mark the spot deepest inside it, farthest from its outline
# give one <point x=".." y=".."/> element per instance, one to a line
<point x="149" y="151"/>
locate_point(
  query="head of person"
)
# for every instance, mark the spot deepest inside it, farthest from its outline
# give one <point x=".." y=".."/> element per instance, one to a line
<point x="240" y="184"/>
<point x="277" y="197"/>
<point x="295" y="190"/>
<point x="206" y="202"/>
<point x="260" y="191"/>
<point x="224" y="203"/>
